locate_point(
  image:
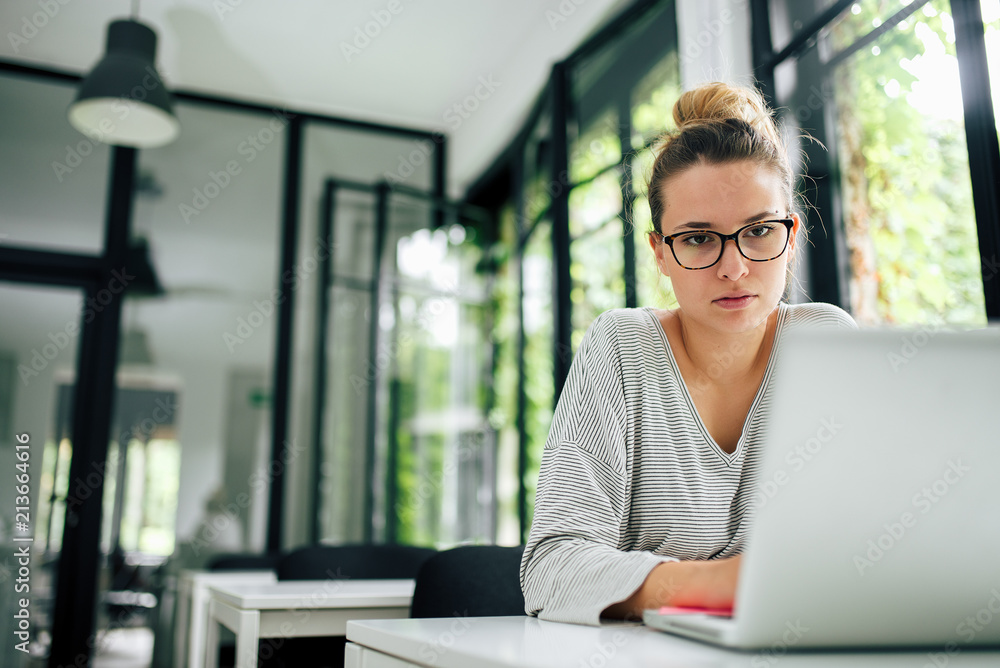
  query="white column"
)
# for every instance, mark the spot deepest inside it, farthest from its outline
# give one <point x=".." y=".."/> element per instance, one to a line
<point x="714" y="41"/>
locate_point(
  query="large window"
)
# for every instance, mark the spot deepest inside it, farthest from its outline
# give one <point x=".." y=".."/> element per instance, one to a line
<point x="897" y="217"/>
<point x="652" y="101"/>
<point x="908" y="217"/>
<point x="574" y="187"/>
<point x="445" y="463"/>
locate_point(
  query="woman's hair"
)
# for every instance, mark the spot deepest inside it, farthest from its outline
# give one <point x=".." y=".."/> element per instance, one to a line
<point x="717" y="124"/>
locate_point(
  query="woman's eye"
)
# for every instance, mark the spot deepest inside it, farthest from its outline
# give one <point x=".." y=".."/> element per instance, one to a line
<point x="696" y="239"/>
<point x="759" y="230"/>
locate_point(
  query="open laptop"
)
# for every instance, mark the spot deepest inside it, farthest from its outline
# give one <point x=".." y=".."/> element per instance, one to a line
<point x="877" y="502"/>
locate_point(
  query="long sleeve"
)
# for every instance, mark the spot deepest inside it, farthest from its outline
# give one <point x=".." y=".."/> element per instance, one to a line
<point x="573" y="565"/>
<point x="630" y="476"/>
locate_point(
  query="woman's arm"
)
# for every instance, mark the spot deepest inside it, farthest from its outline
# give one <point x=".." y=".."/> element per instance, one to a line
<point x="704" y="584"/>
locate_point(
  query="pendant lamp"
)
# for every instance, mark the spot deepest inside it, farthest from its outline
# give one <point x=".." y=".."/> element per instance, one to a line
<point x="123" y="100"/>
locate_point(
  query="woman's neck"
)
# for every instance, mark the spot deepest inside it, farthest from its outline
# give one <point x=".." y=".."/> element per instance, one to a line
<point x="726" y="357"/>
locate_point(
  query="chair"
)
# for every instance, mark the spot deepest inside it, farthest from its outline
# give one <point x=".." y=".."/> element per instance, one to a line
<point x="471" y="581"/>
<point x="243" y="561"/>
<point x="323" y="562"/>
<point x="381" y="562"/>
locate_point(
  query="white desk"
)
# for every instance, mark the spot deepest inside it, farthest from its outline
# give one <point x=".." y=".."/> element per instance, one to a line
<point x="520" y="642"/>
<point x="296" y="608"/>
<point x="192" y="609"/>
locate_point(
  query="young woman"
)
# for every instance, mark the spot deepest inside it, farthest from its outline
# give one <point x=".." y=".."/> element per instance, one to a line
<point x="648" y="470"/>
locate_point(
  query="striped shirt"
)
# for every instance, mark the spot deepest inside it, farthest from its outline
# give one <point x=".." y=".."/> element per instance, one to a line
<point x="630" y="476"/>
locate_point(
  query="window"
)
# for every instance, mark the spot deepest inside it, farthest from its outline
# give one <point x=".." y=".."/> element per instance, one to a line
<point x="908" y="217"/>
<point x="896" y="215"/>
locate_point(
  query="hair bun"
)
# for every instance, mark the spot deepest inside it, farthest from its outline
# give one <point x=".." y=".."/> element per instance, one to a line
<point x="719" y="101"/>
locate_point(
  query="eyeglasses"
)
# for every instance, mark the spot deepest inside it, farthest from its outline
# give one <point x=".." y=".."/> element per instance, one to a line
<point x="758" y="242"/>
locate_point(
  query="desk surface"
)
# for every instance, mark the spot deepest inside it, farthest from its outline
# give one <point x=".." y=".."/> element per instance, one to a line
<point x="227" y="577"/>
<point x="314" y="594"/>
<point x="509" y="642"/>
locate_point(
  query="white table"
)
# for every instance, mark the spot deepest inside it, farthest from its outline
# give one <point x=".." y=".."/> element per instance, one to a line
<point x="192" y="609"/>
<point x="295" y="608"/>
<point x="521" y="642"/>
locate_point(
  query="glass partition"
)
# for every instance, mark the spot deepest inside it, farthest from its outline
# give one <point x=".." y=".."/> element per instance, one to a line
<point x="208" y="211"/>
<point x="39" y="338"/>
<point x="44" y="154"/>
<point x="445" y="473"/>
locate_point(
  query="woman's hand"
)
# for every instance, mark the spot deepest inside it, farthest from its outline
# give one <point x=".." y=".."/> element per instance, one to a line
<point x="702" y="584"/>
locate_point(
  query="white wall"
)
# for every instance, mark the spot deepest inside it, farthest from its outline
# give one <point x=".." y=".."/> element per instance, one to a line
<point x="714" y="41"/>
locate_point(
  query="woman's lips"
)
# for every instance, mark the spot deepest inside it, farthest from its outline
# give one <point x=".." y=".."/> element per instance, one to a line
<point x="734" y="303"/>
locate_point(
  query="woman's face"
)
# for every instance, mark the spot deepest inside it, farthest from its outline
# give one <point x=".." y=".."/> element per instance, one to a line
<point x="734" y="295"/>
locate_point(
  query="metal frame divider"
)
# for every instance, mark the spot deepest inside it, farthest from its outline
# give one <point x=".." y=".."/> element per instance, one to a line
<point x="981" y="139"/>
<point x="76" y="582"/>
<point x="74" y="616"/>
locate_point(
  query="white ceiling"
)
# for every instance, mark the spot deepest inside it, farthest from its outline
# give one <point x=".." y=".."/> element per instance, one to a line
<point x="307" y="54"/>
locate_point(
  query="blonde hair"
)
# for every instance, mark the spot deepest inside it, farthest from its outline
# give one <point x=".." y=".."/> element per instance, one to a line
<point x="718" y="123"/>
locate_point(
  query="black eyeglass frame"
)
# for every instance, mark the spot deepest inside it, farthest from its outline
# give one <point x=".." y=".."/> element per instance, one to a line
<point x="669" y="240"/>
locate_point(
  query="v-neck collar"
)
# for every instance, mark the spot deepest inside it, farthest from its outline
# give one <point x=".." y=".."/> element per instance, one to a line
<point x="727" y="457"/>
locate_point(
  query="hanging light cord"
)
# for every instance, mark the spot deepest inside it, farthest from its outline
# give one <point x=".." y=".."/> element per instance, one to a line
<point x="135" y="10"/>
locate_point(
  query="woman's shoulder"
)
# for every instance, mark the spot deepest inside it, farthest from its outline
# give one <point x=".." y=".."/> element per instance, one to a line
<point x="620" y="333"/>
<point x="819" y="315"/>
<point x="622" y="324"/>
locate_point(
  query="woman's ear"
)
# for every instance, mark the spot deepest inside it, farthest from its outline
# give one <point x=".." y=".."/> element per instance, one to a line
<point x="795" y="230"/>
<point x="659" y="248"/>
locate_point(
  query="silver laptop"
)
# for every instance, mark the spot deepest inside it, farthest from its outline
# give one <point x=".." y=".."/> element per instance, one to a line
<point x="877" y="504"/>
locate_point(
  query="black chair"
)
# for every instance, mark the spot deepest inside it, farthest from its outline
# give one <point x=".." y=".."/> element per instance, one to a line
<point x="324" y="562"/>
<point x="381" y="562"/>
<point x="243" y="561"/>
<point x="471" y="581"/>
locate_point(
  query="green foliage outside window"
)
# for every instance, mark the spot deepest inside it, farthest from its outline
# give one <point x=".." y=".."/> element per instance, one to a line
<point x="538" y="351"/>
<point x="503" y="414"/>
<point x="910" y="226"/>
<point x="652" y="108"/>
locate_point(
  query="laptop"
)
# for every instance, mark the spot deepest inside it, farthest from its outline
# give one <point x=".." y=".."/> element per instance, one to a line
<point x="876" y="510"/>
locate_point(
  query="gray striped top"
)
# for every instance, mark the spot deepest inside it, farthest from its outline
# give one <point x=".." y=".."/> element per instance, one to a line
<point x="630" y="477"/>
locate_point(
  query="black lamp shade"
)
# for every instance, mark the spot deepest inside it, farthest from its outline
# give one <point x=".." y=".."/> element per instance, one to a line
<point x="123" y="100"/>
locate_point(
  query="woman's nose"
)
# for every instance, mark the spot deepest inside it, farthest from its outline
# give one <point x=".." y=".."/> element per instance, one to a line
<point x="732" y="264"/>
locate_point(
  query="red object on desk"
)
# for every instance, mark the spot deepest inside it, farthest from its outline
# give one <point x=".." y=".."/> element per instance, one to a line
<point x="675" y="610"/>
